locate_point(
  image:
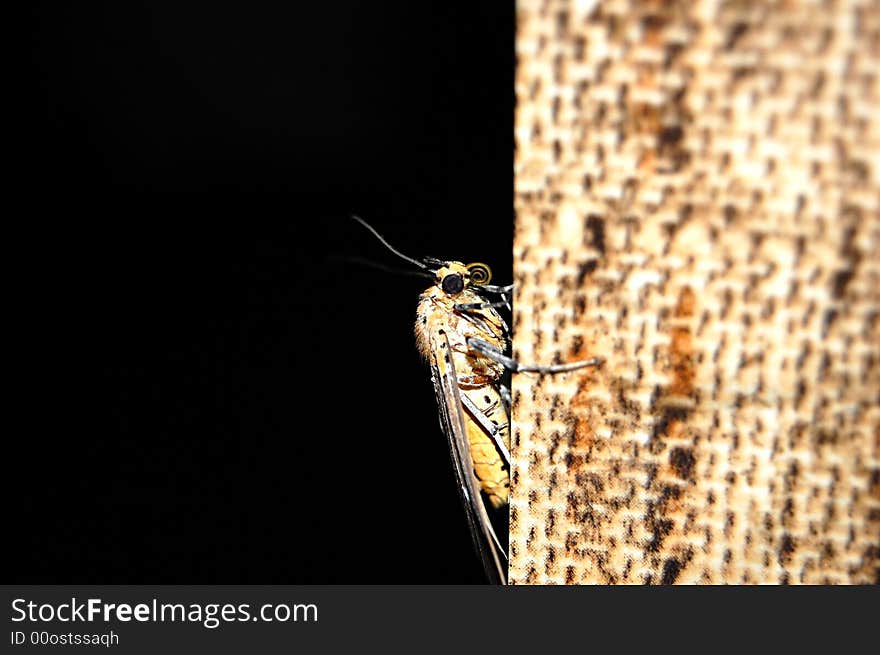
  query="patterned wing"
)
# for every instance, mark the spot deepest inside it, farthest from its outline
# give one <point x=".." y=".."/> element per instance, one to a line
<point x="453" y="423"/>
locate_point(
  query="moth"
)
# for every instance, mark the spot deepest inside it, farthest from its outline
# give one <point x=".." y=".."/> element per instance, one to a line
<point x="464" y="338"/>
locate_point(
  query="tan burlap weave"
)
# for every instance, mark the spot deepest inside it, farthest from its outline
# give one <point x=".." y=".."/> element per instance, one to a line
<point x="698" y="202"/>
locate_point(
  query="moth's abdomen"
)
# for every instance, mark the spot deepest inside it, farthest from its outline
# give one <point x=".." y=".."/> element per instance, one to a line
<point x="489" y="466"/>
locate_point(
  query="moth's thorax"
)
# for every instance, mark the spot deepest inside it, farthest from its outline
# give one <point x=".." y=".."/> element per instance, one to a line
<point x="436" y="312"/>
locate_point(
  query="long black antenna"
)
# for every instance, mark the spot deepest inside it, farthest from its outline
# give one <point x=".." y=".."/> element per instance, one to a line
<point x="382" y="267"/>
<point x="388" y="245"/>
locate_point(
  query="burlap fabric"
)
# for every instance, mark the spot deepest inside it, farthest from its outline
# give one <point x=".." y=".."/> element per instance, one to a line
<point x="697" y="201"/>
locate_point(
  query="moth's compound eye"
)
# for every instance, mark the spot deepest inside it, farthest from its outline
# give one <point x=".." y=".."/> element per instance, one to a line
<point x="453" y="284"/>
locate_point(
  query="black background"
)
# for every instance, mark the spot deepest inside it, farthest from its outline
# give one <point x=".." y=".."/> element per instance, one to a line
<point x="212" y="391"/>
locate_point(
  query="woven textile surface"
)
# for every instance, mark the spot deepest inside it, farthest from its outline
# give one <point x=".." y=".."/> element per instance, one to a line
<point x="697" y="195"/>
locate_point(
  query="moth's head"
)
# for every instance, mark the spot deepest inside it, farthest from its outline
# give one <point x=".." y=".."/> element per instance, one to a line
<point x="455" y="277"/>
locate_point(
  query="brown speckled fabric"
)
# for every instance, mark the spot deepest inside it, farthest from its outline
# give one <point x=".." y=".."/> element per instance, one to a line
<point x="698" y="202"/>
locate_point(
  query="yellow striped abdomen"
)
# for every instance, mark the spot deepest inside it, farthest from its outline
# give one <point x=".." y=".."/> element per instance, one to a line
<point x="489" y="466"/>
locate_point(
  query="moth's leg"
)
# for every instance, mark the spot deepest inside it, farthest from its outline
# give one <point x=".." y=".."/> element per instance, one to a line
<point x="490" y="428"/>
<point x="504" y="292"/>
<point x="491" y="288"/>
<point x="493" y="353"/>
<point x="504" y="392"/>
<point x="464" y="307"/>
<point x="505" y="329"/>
